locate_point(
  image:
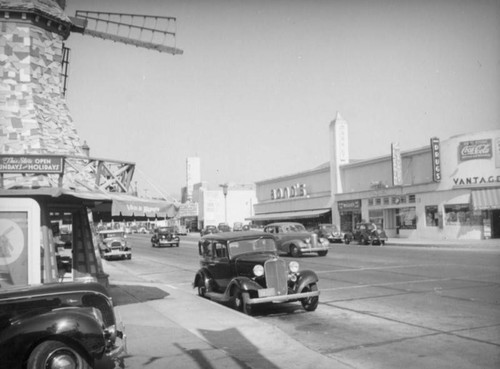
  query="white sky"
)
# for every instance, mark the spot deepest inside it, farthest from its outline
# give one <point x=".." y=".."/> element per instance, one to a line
<point x="260" y="81"/>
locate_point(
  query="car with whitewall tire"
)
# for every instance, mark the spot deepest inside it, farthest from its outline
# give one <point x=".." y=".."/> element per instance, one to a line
<point x="243" y="269"/>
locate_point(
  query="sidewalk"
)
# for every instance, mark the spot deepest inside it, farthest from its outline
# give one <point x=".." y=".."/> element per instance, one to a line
<point x="461" y="244"/>
<point x="169" y="327"/>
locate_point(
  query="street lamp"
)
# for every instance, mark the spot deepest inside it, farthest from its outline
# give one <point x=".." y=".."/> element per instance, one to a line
<point x="224" y="191"/>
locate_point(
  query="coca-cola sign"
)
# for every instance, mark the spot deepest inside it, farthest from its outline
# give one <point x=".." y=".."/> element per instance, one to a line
<point x="477" y="149"/>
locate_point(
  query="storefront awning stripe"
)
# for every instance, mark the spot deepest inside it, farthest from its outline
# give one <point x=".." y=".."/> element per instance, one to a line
<point x="486" y="199"/>
<point x="290" y="215"/>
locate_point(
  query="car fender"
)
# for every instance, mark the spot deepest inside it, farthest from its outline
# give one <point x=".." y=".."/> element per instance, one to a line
<point x="78" y="327"/>
<point x="242" y="283"/>
<point x="201" y="275"/>
<point x="306" y="277"/>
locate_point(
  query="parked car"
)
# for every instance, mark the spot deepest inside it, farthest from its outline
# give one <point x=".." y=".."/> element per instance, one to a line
<point x="237" y="226"/>
<point x="243" y="269"/>
<point x="209" y="229"/>
<point x="224" y="227"/>
<point x="58" y="325"/>
<point x="367" y="233"/>
<point x="331" y="232"/>
<point x="295" y="240"/>
<point x="165" y="236"/>
<point x="113" y="245"/>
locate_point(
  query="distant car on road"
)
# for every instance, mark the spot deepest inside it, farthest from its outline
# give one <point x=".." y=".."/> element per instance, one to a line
<point x="113" y="244"/>
<point x="209" y="229"/>
<point x="165" y="236"/>
<point x="293" y="239"/>
<point x="224" y="227"/>
<point x="243" y="269"/>
<point x="331" y="232"/>
<point x="367" y="233"/>
<point x="237" y="226"/>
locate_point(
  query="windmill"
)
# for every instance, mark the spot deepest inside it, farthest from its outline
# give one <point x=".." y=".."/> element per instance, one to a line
<point x="34" y="116"/>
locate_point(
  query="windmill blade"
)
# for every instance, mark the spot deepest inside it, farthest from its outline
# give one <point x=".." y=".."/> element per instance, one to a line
<point x="147" y="31"/>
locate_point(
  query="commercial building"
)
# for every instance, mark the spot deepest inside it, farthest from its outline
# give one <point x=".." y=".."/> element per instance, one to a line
<point x="446" y="189"/>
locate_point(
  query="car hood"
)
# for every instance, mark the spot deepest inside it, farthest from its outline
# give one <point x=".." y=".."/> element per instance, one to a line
<point x="244" y="263"/>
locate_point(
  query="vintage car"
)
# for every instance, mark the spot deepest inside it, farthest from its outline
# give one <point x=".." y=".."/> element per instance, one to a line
<point x="209" y="229"/>
<point x="243" y="269"/>
<point x="294" y="240"/>
<point x="237" y="226"/>
<point x="224" y="227"/>
<point x="165" y="236"/>
<point x="113" y="245"/>
<point x="58" y="325"/>
<point x="367" y="233"/>
<point x="331" y="232"/>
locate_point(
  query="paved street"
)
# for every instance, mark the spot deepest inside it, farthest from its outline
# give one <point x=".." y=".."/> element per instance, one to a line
<point x="380" y="307"/>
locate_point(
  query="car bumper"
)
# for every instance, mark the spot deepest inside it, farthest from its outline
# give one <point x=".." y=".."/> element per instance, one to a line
<point x="116" y="255"/>
<point x="120" y="346"/>
<point x="168" y="243"/>
<point x="281" y="298"/>
<point x="306" y="249"/>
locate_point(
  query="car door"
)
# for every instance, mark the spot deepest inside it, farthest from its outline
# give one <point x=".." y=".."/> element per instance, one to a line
<point x="218" y="264"/>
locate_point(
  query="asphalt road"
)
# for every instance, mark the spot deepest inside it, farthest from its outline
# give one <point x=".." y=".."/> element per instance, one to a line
<point x="380" y="307"/>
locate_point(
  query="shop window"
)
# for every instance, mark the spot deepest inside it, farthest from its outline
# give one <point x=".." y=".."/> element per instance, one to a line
<point x="431" y="216"/>
<point x="406" y="218"/>
<point x="462" y="215"/>
<point x="403" y="199"/>
<point x="386" y="201"/>
<point x="411" y="199"/>
<point x="378" y="201"/>
<point x="377" y="217"/>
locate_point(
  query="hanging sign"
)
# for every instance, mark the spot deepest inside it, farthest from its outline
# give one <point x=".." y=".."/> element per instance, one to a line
<point x="397" y="167"/>
<point x="436" y="159"/>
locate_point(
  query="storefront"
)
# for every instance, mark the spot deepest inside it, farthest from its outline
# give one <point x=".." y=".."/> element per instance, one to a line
<point x="446" y="189"/>
<point x="302" y="197"/>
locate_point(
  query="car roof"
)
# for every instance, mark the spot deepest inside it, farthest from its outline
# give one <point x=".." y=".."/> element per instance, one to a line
<point x="235" y="236"/>
<point x="282" y="223"/>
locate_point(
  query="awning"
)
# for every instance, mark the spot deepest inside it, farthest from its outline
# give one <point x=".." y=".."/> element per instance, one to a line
<point x="486" y="199"/>
<point x="126" y="205"/>
<point x="117" y="204"/>
<point x="290" y="215"/>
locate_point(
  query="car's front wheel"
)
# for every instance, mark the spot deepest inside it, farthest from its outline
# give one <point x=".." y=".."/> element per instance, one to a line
<point x="322" y="253"/>
<point x="55" y="354"/>
<point x="294" y="251"/>
<point x="240" y="302"/>
<point x="310" y="303"/>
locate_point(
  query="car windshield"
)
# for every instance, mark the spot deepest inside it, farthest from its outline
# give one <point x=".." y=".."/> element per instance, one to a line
<point x="165" y="230"/>
<point x="111" y="234"/>
<point x="262" y="244"/>
<point x="287" y="228"/>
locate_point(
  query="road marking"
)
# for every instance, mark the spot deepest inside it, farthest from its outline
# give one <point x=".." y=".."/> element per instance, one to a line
<point x="388" y="284"/>
<point x="355" y="269"/>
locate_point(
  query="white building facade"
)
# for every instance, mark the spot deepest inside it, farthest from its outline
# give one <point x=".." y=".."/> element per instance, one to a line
<point x="447" y="189"/>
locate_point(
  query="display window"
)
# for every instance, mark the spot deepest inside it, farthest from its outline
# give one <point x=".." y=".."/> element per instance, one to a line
<point x="462" y="214"/>
<point x="406" y="218"/>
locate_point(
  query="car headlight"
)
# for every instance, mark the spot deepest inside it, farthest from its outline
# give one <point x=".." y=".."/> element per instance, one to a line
<point x="258" y="270"/>
<point x="293" y="266"/>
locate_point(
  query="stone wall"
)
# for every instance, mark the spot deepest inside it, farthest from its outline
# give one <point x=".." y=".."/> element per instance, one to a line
<point x="34" y="116"/>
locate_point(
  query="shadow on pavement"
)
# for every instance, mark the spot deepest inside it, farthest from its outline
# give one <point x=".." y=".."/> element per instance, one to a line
<point x="236" y="345"/>
<point x="132" y="294"/>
